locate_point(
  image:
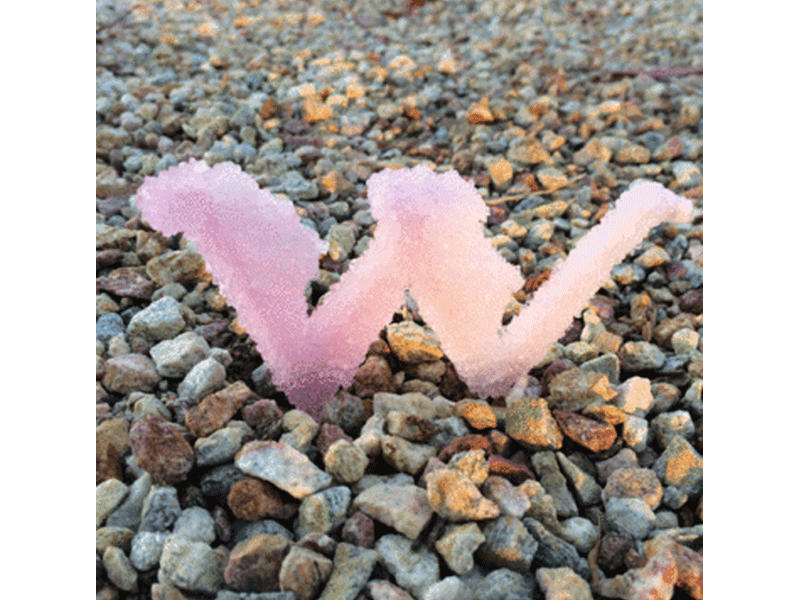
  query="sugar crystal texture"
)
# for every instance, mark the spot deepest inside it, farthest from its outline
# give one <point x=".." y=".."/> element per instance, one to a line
<point x="429" y="240"/>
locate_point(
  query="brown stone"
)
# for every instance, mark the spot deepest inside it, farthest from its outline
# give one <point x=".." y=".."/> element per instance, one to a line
<point x="635" y="483"/>
<point x="161" y="450"/>
<point x="588" y="433"/>
<point x="688" y="563"/>
<point x="375" y="375"/>
<point x="478" y="112"/>
<point x="513" y="471"/>
<point x="304" y="572"/>
<point x="254" y="564"/>
<point x="130" y="372"/>
<point x="528" y="420"/>
<point x="108" y="465"/>
<point x="462" y="444"/>
<point x="126" y="281"/>
<point x="216" y="409"/>
<point x="252" y="499"/>
<point x="478" y="414"/>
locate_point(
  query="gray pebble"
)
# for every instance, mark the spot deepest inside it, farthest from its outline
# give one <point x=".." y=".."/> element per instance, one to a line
<point x="146" y="549"/>
<point x="160" y="321"/>
<point x="160" y="509"/>
<point x="505" y="584"/>
<point x="630" y="515"/>
<point x="205" y="378"/>
<point x="219" y="447"/>
<point x="108" y="326"/>
<point x="192" y="566"/>
<point x="324" y="511"/>
<point x="176" y="357"/>
<point x="129" y="513"/>
<point x="414" y="571"/>
<point x="119" y="569"/>
<point x="195" y="523"/>
<point x="640" y="356"/>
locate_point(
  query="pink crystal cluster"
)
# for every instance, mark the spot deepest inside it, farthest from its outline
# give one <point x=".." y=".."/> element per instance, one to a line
<point x="429" y="240"/>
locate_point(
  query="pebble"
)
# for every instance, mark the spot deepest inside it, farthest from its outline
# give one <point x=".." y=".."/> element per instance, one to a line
<point x="580" y="532"/>
<point x="283" y="466"/>
<point x="108" y="326"/>
<point x="511" y="500"/>
<point x="216" y="409"/>
<point x="160" y="509"/>
<point x="128" y="373"/>
<point x="254" y="564"/>
<point x="546" y="467"/>
<point x="176" y="357"/>
<point x="508" y="544"/>
<point x="405" y="456"/>
<point x="221" y="446"/>
<point x="303" y="572"/>
<point x="413" y="570"/>
<point x="505" y="584"/>
<point x="668" y="424"/>
<point x="108" y="495"/>
<point x="196" y="524"/>
<point x="161" y="450"/>
<point x="413" y="343"/>
<point x="634" y="483"/>
<point x="119" y="569"/>
<point x="128" y="514"/>
<point x="252" y="499"/>
<point x="635" y="432"/>
<point x="562" y="583"/>
<point x="575" y="389"/>
<point x="640" y="356"/>
<point x="630" y="516"/>
<point x="654" y="581"/>
<point x="126" y="282"/>
<point x="587" y="491"/>
<point x="176" y="266"/>
<point x="192" y="566"/>
<point x="403" y="507"/>
<point x="160" y="321"/>
<point x="352" y="567"/>
<point x="455" y="497"/>
<point x="457" y="546"/>
<point x="146" y="549"/>
<point x="555" y="552"/>
<point x="634" y="396"/>
<point x="680" y="466"/>
<point x="529" y="421"/>
<point x="345" y="461"/>
<point x="205" y="378"/>
<point x="586" y="432"/>
<point x="323" y="511"/>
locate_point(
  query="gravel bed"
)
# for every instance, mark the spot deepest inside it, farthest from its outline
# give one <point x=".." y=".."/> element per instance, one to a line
<point x="589" y="484"/>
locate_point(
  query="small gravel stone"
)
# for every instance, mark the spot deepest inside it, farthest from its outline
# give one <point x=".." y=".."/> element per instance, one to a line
<point x="405" y="456"/>
<point x="654" y="581"/>
<point x="217" y="409"/>
<point x="130" y="372"/>
<point x="160" y="321"/>
<point x="458" y="544"/>
<point x="108" y="326"/>
<point x="221" y="446"/>
<point x="283" y="466"/>
<point x="563" y="584"/>
<point x="587" y="491"/>
<point x="254" y="565"/>
<point x="192" y="566"/>
<point x="635" y="432"/>
<point x="129" y="513"/>
<point x="634" y="396"/>
<point x="588" y="433"/>
<point x="108" y="496"/>
<point x="175" y="358"/>
<point x="323" y="511"/>
<point x="575" y="389"/>
<point x="196" y="524"/>
<point x="634" y="483"/>
<point x="668" y="424"/>
<point x="403" y="507"/>
<point x="413" y="343"/>
<point x="304" y="572"/>
<point x="580" y="532"/>
<point x="176" y="266"/>
<point x="505" y="584"/>
<point x="161" y="450"/>
<point x="252" y="499"/>
<point x="205" y="378"/>
<point x="146" y="549"/>
<point x="119" y="569"/>
<point x="528" y="420"/>
<point x="640" y="356"/>
<point x="631" y="516"/>
<point x="681" y="466"/>
<point x="511" y="500"/>
<point x="352" y="567"/>
<point x="555" y="552"/>
<point x="508" y="544"/>
<point x="546" y="467"/>
<point x="454" y="496"/>
<point x="414" y="571"/>
<point x="160" y="509"/>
